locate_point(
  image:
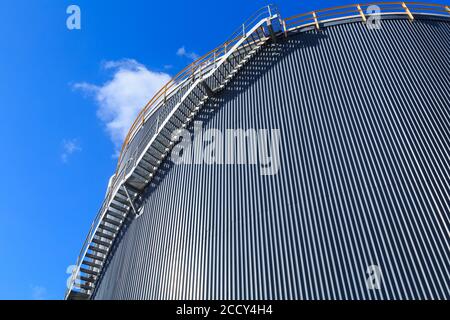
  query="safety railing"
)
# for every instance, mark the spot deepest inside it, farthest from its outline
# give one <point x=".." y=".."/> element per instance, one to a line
<point x="363" y="11"/>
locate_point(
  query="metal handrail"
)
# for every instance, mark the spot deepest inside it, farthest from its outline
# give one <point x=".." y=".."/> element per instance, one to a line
<point x="356" y="10"/>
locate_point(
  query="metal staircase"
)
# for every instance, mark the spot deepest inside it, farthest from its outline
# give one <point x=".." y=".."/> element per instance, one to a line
<point x="206" y="78"/>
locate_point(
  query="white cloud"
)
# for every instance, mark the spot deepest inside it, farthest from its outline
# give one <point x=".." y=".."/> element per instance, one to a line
<point x="38" y="292"/>
<point x="183" y="53"/>
<point x="69" y="147"/>
<point x="121" y="98"/>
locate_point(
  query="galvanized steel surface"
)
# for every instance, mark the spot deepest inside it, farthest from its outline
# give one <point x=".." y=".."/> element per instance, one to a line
<point x="363" y="180"/>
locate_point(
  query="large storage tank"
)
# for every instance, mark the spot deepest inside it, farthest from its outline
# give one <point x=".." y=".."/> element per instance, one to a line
<point x="358" y="204"/>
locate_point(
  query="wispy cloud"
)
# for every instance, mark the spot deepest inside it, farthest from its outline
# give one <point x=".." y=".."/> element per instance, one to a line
<point x="183" y="53"/>
<point x="122" y="97"/>
<point x="38" y="292"/>
<point x="69" y="147"/>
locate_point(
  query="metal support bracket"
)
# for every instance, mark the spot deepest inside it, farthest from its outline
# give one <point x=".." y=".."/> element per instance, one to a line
<point x="208" y="90"/>
<point x="316" y="21"/>
<point x="285" y="29"/>
<point x="129" y="200"/>
<point x="271" y="30"/>
<point x="361" y="12"/>
<point x="410" y="16"/>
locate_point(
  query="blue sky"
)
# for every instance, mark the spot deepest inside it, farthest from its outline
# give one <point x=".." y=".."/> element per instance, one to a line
<point x="65" y="101"/>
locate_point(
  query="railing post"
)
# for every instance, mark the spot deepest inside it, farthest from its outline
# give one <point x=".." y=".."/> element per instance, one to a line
<point x="316" y="21"/>
<point x="270" y="12"/>
<point x="285" y="29"/>
<point x="411" y="17"/>
<point x="361" y="12"/>
<point x="243" y="30"/>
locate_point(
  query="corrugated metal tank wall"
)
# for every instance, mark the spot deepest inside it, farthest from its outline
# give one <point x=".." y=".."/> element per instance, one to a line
<point x="363" y="179"/>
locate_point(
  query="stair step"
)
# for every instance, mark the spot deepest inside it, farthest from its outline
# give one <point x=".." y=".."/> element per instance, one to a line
<point x="86" y="279"/>
<point x="118" y="206"/>
<point x="139" y="178"/>
<point x="155" y="153"/>
<point x="152" y="158"/>
<point x="161" y="146"/>
<point x="87" y="271"/>
<point x="96" y="249"/>
<point x="148" y="171"/>
<point x="86" y="287"/>
<point x="119" y="212"/>
<point x="106" y="228"/>
<point x="147" y="167"/>
<point x="94" y="257"/>
<point x="121" y="199"/>
<point x="115" y="214"/>
<point x="146" y="163"/>
<point x="104" y="235"/>
<point x="131" y="191"/>
<point x="100" y="242"/>
<point x="92" y="264"/>
<point x="113" y="222"/>
<point x="102" y="226"/>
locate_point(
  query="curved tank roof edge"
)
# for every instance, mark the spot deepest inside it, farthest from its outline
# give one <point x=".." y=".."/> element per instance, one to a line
<point x="357" y="19"/>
